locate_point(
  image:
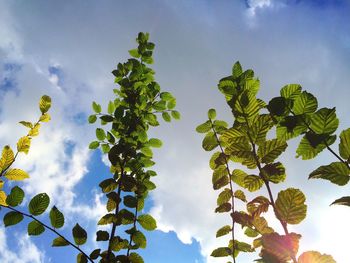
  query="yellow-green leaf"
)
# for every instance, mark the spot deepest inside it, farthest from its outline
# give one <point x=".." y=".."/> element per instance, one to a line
<point x="290" y="206"/>
<point x="315" y="257"/>
<point x="7" y="157"/>
<point x="344" y="145"/>
<point x="271" y="149"/>
<point x="23" y="144"/>
<point x="35" y="130"/>
<point x="3" y="198"/>
<point x="336" y="172"/>
<point x="26" y="124"/>
<point x="16" y="174"/>
<point x="45" y="117"/>
<point x="44" y="104"/>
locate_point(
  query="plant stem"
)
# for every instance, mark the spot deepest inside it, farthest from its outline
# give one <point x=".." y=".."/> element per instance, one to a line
<point x="231" y="189"/>
<point x="50" y="228"/>
<point x="134" y="226"/>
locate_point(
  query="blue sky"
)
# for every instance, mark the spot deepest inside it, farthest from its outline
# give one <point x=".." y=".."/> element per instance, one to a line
<point x="68" y="49"/>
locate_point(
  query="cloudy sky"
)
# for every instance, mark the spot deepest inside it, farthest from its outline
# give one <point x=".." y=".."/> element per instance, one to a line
<point x="67" y="49"/>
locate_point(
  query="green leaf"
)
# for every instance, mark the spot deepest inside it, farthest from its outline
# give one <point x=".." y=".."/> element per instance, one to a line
<point x="315" y="257"/>
<point x="102" y="235"/>
<point x="108" y="185"/>
<point x="27" y="124"/>
<point x="139" y="239"/>
<point x="44" y="104"/>
<point x="79" y="235"/>
<point x="59" y="242"/>
<point x="81" y="258"/>
<point x="134" y="53"/>
<point x="336" y="172"/>
<point x="249" y="232"/>
<point x="210" y="142"/>
<point x="176" y="115"/>
<point x="171" y="104"/>
<point x="324" y="121"/>
<point x="92" y="118"/>
<point x="166" y="116"/>
<point x="204" y="127"/>
<point x="252" y="183"/>
<point x="220" y="177"/>
<point x="16" y="196"/>
<point x="270" y="150"/>
<point x="147" y="222"/>
<point x="100" y="134"/>
<point x="221" y="252"/>
<point x="94" y="145"/>
<point x="7" y="157"/>
<point x="56" y="217"/>
<point x="39" y="204"/>
<point x="96" y="107"/>
<point x="95" y="254"/>
<point x="312" y="144"/>
<point x="345" y="200"/>
<point x="166" y="96"/>
<point x="212" y="114"/>
<point x="290" y="206"/>
<point x="291" y="91"/>
<point x="224" y="197"/>
<point x="236" y="70"/>
<point x="239" y="194"/>
<point x="305" y="103"/>
<point x="278" y="106"/>
<point x="154" y="142"/>
<point x="12" y="218"/>
<point x="260" y="127"/>
<point x="23" y="144"/>
<point x="273" y="172"/>
<point x="107" y="219"/>
<point x="35" y="228"/>
<point x="344" y="145"/>
<point x="290" y="127"/>
<point x="223" y="231"/>
<point x="135" y="258"/>
<point x="225" y="207"/>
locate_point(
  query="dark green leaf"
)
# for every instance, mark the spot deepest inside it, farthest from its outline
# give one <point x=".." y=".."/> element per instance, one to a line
<point x="79" y="235"/>
<point x="108" y="185"/>
<point x="221" y="252"/>
<point x="344" y="145"/>
<point x="35" y="228"/>
<point x="102" y="235"/>
<point x="139" y="239"/>
<point x="81" y="258"/>
<point x="16" y="196"/>
<point x="135" y="258"/>
<point x="236" y="70"/>
<point x="278" y="106"/>
<point x="56" y="217"/>
<point x="223" y="231"/>
<point x="39" y="204"/>
<point x="59" y="242"/>
<point x="225" y="207"/>
<point x="12" y="218"/>
<point x="95" y="254"/>
<point x="345" y="200"/>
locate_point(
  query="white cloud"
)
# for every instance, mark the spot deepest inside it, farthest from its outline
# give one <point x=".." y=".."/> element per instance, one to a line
<point x="26" y="252"/>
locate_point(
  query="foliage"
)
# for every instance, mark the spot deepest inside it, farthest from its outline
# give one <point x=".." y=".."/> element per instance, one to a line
<point x="247" y="143"/>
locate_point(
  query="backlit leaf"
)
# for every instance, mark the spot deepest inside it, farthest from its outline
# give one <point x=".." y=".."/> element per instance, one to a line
<point x="56" y="217"/>
<point x="139" y="239"/>
<point x="135" y="258"/>
<point x="223" y="231"/>
<point x="221" y="252"/>
<point x="212" y="114"/>
<point x="16" y="174"/>
<point x="16" y="196"/>
<point x="311" y="145"/>
<point x="59" y="242"/>
<point x="3" y="198"/>
<point x="166" y="116"/>
<point x="252" y="183"/>
<point x="79" y="235"/>
<point x="291" y="91"/>
<point x="7" y="157"/>
<point x="35" y="228"/>
<point x="12" y="218"/>
<point x="224" y="196"/>
<point x="23" y="144"/>
<point x="35" y="130"/>
<point x="315" y="257"/>
<point x="147" y="222"/>
<point x="26" y="124"/>
<point x="290" y="206"/>
<point x="305" y="103"/>
<point x="344" y="145"/>
<point x="324" y="121"/>
<point x="96" y="107"/>
<point x="45" y="117"/>
<point x="336" y="172"/>
<point x="209" y="142"/>
<point x="38" y="204"/>
<point x="270" y="150"/>
<point x="44" y="104"/>
<point x="345" y="200"/>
